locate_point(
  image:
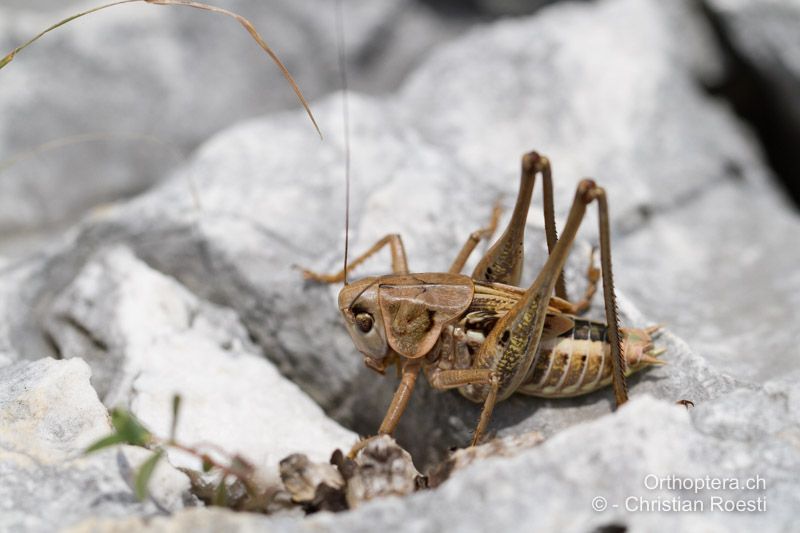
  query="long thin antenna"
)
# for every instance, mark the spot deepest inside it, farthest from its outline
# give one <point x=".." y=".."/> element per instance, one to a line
<point x="340" y="44"/>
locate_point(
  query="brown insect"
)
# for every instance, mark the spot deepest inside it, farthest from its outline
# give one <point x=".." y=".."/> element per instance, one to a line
<point x="484" y="335"/>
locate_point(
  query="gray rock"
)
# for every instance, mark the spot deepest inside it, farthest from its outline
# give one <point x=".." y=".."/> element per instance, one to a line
<point x="510" y="7"/>
<point x="643" y="127"/>
<point x="51" y="404"/>
<point x="649" y="455"/>
<point x="49" y="414"/>
<point x="698" y="243"/>
<point x="98" y="109"/>
<point x="467" y="457"/>
<point x="490" y="8"/>
<point x="147" y="338"/>
<point x="690" y="199"/>
<point x="764" y="41"/>
<point x="552" y="486"/>
<point x="201" y="520"/>
<point x="34" y="5"/>
<point x="764" y="31"/>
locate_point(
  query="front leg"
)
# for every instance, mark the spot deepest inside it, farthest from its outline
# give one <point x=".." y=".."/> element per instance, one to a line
<point x="410" y="371"/>
<point x="402" y="395"/>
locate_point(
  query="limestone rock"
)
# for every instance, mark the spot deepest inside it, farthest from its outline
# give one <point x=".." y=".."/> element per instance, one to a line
<point x="764" y="46"/>
<point x="148" y="338"/>
<point x="616" y="471"/>
<point x="49" y="415"/>
<point x="110" y="104"/>
<point x="671" y="158"/>
<point x="607" y="89"/>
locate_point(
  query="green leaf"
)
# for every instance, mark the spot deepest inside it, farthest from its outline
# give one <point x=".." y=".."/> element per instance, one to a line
<point x="221" y="494"/>
<point x="129" y="428"/>
<point x="145" y="473"/>
<point x="208" y="464"/>
<point x="176" y="408"/>
<point x="105" y="442"/>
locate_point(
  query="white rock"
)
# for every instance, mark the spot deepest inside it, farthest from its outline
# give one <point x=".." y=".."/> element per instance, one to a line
<point x="551" y="487"/>
<point x="149" y="338"/>
<point x="429" y="163"/>
<point x="605" y="89"/>
<point x="102" y="104"/>
<point x="646" y="454"/>
<point x="49" y="414"/>
<point x="201" y="520"/>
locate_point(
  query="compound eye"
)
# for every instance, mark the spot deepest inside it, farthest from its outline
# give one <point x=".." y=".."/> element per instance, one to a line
<point x="364" y="322"/>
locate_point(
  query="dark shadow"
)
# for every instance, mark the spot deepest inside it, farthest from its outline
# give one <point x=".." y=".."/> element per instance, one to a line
<point x="762" y="104"/>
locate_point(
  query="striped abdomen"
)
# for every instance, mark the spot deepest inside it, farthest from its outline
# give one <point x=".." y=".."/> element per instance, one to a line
<point x="579" y="361"/>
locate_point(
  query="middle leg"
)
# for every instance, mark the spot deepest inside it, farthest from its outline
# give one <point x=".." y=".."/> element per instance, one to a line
<point x="474" y="238"/>
<point x="459" y="378"/>
<point x="581" y="306"/>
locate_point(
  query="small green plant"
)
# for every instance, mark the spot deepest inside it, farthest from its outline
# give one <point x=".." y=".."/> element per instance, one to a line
<point x="236" y="487"/>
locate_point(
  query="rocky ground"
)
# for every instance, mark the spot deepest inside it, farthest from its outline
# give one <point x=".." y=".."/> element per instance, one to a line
<point x="123" y="97"/>
<point x="162" y="294"/>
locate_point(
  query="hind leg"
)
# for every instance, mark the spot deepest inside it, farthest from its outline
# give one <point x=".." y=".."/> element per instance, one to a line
<point x="511" y="347"/>
<point x="503" y="261"/>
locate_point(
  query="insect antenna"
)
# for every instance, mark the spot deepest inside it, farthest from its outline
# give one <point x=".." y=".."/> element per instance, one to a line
<point x="352" y="303"/>
<point x="340" y="45"/>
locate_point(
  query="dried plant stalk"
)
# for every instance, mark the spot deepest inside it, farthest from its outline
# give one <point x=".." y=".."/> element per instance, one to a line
<point x="188" y="3"/>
